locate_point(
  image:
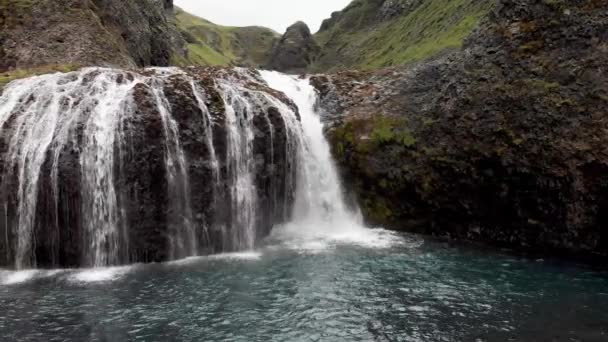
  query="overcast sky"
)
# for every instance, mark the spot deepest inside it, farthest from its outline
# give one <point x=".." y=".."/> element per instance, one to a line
<point x="276" y="14"/>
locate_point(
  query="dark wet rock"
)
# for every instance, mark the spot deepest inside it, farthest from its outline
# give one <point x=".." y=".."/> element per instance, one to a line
<point x="145" y="201"/>
<point x="295" y="51"/>
<point x="503" y="142"/>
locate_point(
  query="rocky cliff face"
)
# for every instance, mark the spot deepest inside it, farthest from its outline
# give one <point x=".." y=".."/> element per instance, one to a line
<point x="87" y="32"/>
<point x="502" y="142"/>
<point x="295" y="51"/>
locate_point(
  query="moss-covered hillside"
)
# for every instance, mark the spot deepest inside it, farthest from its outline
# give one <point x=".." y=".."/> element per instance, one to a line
<point x="502" y="142"/>
<point x="370" y="34"/>
<point x="211" y="44"/>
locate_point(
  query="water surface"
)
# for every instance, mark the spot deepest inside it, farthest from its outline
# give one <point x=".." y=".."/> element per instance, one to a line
<point x="373" y="286"/>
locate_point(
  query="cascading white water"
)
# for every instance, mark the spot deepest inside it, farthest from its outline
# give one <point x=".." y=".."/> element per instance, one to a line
<point x="183" y="240"/>
<point x="320" y="209"/>
<point x="67" y="141"/>
<point x="100" y="210"/>
<point x="200" y="98"/>
<point x="51" y="112"/>
<point x="239" y="161"/>
<point x="49" y="121"/>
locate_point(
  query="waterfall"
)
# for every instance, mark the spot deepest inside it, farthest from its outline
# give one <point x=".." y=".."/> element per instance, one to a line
<point x="320" y="208"/>
<point x="53" y="110"/>
<point x="104" y="167"/>
<point x="100" y="211"/>
<point x="182" y="237"/>
<point x="239" y="161"/>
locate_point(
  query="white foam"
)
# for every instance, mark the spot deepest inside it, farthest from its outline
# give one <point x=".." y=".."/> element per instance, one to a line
<point x="317" y="235"/>
<point x="250" y="255"/>
<point x="417" y="308"/>
<point x="321" y="218"/>
<point x="96" y="275"/>
<point x="17" y="277"/>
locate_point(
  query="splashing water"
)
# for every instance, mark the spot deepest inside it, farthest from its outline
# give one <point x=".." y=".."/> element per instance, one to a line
<point x="321" y="216"/>
<point x="67" y="141"/>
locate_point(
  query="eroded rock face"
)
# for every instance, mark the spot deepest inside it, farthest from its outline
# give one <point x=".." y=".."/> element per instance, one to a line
<point x="142" y="166"/>
<point x="295" y="50"/>
<point x="145" y="27"/>
<point x="87" y="32"/>
<point x="503" y="142"/>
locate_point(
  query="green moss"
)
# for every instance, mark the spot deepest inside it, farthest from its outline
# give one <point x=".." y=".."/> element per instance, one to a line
<point x="345" y="133"/>
<point x="202" y="54"/>
<point x="12" y="75"/>
<point x="364" y="136"/>
<point x="531" y="47"/>
<point x="510" y="136"/>
<point x="428" y="122"/>
<point x="392" y="130"/>
<point x="377" y="209"/>
<point x="539" y="85"/>
<point x="558" y="4"/>
<point x="427" y="184"/>
<point x="383" y="184"/>
<point x="14" y="12"/>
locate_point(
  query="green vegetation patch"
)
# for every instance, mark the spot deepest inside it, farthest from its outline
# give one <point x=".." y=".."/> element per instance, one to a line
<point x="16" y="74"/>
<point x="364" y="136"/>
<point x="211" y="44"/>
<point x="432" y="27"/>
<point x="14" y="12"/>
<point x="388" y="130"/>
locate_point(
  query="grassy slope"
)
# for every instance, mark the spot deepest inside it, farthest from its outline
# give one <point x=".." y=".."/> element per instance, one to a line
<point x="211" y="44"/>
<point x="432" y="27"/>
<point x="16" y="74"/>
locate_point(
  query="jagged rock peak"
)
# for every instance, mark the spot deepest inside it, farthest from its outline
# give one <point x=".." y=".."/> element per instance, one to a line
<point x="299" y="27"/>
<point x="295" y="51"/>
<point x="168" y="4"/>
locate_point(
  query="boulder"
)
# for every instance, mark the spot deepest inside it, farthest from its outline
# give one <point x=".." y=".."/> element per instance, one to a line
<point x="295" y="51"/>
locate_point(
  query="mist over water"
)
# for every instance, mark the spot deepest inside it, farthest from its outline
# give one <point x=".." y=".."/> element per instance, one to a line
<point x="321" y="215"/>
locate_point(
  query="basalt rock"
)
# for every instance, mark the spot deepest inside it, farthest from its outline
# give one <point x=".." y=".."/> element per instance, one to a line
<point x="503" y="142"/>
<point x="142" y="166"/>
<point x="295" y="51"/>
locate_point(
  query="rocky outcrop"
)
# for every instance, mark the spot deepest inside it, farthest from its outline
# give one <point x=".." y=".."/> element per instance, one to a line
<point x="87" y="32"/>
<point x="394" y="8"/>
<point x="295" y="51"/>
<point x="146" y="28"/>
<point x="142" y="166"/>
<point x="503" y="142"/>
